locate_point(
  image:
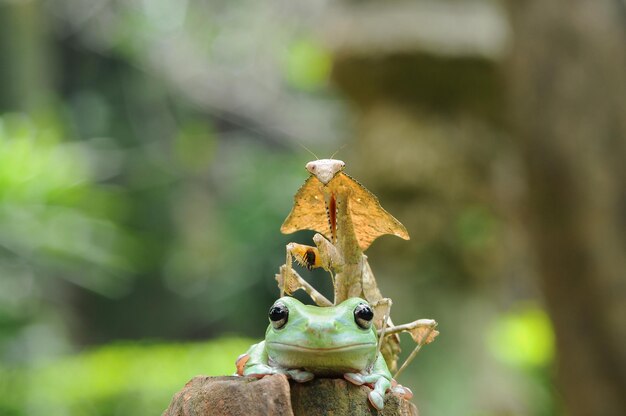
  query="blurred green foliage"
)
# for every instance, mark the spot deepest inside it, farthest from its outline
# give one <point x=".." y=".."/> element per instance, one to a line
<point x="55" y="224"/>
<point x="523" y="337"/>
<point x="307" y="65"/>
<point x="144" y="174"/>
<point x="119" y="379"/>
<point x="51" y="211"/>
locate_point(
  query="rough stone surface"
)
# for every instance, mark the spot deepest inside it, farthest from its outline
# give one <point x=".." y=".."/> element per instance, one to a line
<point x="232" y="396"/>
<point x="272" y="395"/>
<point x="327" y="396"/>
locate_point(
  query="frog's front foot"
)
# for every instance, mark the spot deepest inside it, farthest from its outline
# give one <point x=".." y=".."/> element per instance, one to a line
<point x="354" y="378"/>
<point x="261" y="370"/>
<point x="380" y="386"/>
<point x="300" y="376"/>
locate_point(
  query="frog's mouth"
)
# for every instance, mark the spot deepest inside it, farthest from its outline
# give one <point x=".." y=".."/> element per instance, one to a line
<point x="293" y="347"/>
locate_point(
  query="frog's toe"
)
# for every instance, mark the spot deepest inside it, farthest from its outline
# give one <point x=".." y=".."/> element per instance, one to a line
<point x="259" y="371"/>
<point x="380" y="388"/>
<point x="402" y="391"/>
<point x="301" y="376"/>
<point x="376" y="399"/>
<point x="354" y="378"/>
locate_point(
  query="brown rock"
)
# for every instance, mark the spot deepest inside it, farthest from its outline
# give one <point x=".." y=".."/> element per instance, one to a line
<point x="232" y="396"/>
<point x="328" y="396"/>
<point x="271" y="395"/>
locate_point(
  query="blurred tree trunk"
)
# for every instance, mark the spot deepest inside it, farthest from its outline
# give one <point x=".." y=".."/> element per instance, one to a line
<point x="568" y="92"/>
<point x="428" y="98"/>
<point x="25" y="48"/>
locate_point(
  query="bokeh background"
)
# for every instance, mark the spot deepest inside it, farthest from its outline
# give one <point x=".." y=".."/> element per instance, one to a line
<point x="150" y="150"/>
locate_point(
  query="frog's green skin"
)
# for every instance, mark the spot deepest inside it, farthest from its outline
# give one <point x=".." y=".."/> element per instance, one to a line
<point x="322" y="341"/>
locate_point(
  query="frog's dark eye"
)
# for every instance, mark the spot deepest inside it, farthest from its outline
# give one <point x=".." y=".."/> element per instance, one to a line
<point x="363" y="315"/>
<point x="278" y="315"/>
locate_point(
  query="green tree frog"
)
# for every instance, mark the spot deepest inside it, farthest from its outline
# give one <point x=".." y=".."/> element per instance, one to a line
<point x="304" y="341"/>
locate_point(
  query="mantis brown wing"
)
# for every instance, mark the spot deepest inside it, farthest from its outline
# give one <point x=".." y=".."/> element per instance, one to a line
<point x="309" y="210"/>
<point x="368" y="217"/>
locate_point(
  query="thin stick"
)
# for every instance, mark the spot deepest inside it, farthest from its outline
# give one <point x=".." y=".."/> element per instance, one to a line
<point x="332" y="278"/>
<point x="417" y="349"/>
<point x="317" y="297"/>
<point x="382" y="330"/>
<point x="288" y="262"/>
<point x="408" y="327"/>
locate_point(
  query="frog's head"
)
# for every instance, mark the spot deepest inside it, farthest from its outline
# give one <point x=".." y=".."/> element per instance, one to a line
<point x="324" y="340"/>
<point x="325" y="169"/>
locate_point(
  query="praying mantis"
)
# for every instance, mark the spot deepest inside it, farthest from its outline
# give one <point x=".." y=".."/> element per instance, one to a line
<point x="347" y="218"/>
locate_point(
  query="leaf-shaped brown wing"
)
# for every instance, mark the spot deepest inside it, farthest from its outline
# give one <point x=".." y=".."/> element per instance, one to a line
<point x="309" y="210"/>
<point x="370" y="220"/>
<point x="424" y="334"/>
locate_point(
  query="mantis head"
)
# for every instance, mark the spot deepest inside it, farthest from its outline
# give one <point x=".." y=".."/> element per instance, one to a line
<point x="325" y="169"/>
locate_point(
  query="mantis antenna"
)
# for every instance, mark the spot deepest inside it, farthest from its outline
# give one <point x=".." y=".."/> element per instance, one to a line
<point x="338" y="150"/>
<point x="316" y="157"/>
<point x="307" y="149"/>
